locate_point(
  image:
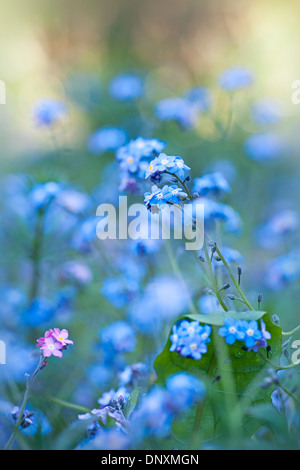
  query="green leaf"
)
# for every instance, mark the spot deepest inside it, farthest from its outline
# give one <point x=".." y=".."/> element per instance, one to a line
<point x="218" y="318"/>
<point x="245" y="368"/>
<point x="132" y="402"/>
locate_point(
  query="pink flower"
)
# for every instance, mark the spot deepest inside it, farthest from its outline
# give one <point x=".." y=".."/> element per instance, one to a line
<point x="41" y="341"/>
<point x="51" y="347"/>
<point x="62" y="336"/>
<point x="53" y="342"/>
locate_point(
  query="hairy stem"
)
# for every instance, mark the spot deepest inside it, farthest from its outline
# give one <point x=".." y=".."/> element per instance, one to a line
<point x="232" y="277"/>
<point x="29" y="383"/>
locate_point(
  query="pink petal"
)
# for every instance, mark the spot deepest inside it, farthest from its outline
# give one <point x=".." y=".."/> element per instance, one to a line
<point x="49" y="340"/>
<point x="57" y="353"/>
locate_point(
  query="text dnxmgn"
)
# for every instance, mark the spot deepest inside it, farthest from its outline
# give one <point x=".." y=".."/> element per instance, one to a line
<point x="170" y="459"/>
<point x="151" y="459"/>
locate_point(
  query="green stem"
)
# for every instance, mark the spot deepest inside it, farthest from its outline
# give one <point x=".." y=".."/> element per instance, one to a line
<point x="276" y="366"/>
<point x="36" y="256"/>
<point x="67" y="404"/>
<point x="19" y="421"/>
<point x="177" y="271"/>
<point x="24" y="402"/>
<point x="212" y="278"/>
<point x="290" y="394"/>
<point x="182" y="184"/>
<point x="232" y="277"/>
<point x="200" y="409"/>
<point x="227" y="129"/>
<point x="292" y="332"/>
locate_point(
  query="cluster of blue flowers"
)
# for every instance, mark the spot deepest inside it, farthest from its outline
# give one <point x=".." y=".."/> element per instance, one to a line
<point x="134" y="159"/>
<point x="190" y="339"/>
<point x="175" y="168"/>
<point x="166" y="164"/>
<point x="160" y="197"/>
<point x="247" y="332"/>
<point x="58" y="228"/>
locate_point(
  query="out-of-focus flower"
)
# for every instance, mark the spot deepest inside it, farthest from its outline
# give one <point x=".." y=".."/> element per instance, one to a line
<point x="126" y="87"/>
<point x="154" y="417"/>
<point x="106" y="139"/>
<point x="271" y="234"/>
<point x="40" y="311"/>
<point x="76" y="271"/>
<point x="235" y="78"/>
<point x="100" y="414"/>
<point x="208" y="304"/>
<point x="185" y="389"/>
<point x="267" y="112"/>
<point x="283" y="269"/>
<point x="85" y="235"/>
<point x="121" y="290"/>
<point x="230" y="254"/>
<point x="73" y="201"/>
<point x="199" y="97"/>
<point x="217" y="211"/>
<point x="16" y="348"/>
<point x="264" y="147"/>
<point x="42" y="194"/>
<point x="164" y="299"/>
<point x="213" y="184"/>
<point x="108" y="439"/>
<point x="181" y="110"/>
<point x="134" y="375"/>
<point x="100" y="375"/>
<point x="118" y="337"/>
<point x="223" y="166"/>
<point x="48" y="111"/>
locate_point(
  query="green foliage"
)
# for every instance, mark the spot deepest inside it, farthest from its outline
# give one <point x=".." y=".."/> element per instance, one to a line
<point x="232" y="376"/>
<point x="132" y="402"/>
